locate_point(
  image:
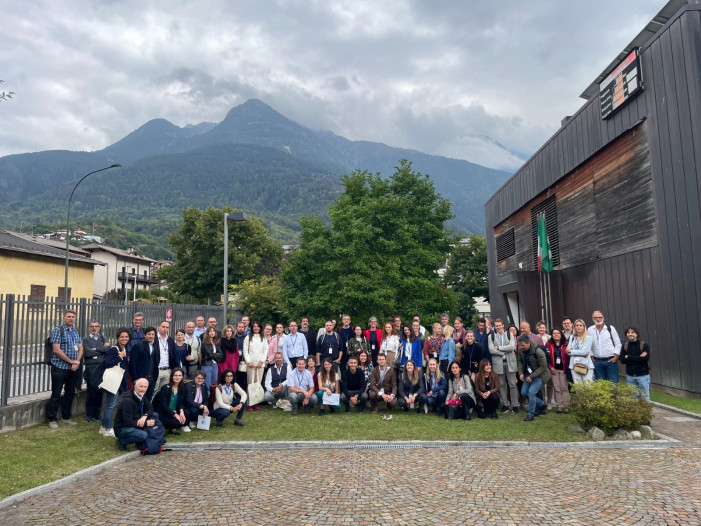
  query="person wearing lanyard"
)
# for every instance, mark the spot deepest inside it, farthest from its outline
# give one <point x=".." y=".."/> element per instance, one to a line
<point x="558" y="363"/>
<point x="230" y="398"/>
<point x="163" y="356"/>
<point x="346" y="333"/>
<point x="373" y="335"/>
<point x="471" y="355"/>
<point x="436" y="387"/>
<point x="501" y="348"/>
<point x="579" y="348"/>
<point x="301" y="387"/>
<point x="390" y="343"/>
<point x="294" y="346"/>
<point x="328" y="345"/>
<point x="196" y="398"/>
<point x="383" y="384"/>
<point x="606" y="348"/>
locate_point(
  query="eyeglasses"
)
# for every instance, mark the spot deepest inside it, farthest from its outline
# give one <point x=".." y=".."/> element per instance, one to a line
<point x="229" y="376"/>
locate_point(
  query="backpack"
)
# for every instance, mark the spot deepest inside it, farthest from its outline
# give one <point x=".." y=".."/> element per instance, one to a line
<point x="154" y="441"/>
<point x="49" y="347"/>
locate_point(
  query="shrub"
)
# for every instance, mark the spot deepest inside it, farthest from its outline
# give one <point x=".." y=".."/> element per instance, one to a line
<point x="609" y="406"/>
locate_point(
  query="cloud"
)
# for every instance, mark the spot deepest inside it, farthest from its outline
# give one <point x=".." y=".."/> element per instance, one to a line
<point x="451" y="78"/>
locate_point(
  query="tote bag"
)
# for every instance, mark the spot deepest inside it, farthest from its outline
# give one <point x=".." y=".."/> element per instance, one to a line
<point x="112" y="379"/>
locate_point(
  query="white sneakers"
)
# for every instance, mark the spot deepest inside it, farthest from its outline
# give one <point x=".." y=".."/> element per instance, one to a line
<point x="185" y="429"/>
<point x="109" y="433"/>
<point x="53" y="425"/>
<point x="102" y="430"/>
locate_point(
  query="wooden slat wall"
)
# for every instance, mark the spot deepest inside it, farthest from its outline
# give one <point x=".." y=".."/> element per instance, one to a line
<point x="654" y="288"/>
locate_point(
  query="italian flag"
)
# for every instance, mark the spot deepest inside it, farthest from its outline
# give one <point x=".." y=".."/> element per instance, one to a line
<point x="545" y="255"/>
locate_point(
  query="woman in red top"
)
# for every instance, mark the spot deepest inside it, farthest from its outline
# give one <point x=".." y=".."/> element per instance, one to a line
<point x="558" y="363"/>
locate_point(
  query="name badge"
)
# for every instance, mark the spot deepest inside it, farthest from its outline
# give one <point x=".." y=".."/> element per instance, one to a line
<point x="435" y="355"/>
<point x="373" y="346"/>
<point x="330" y="350"/>
<point x="75" y="347"/>
<point x="530" y="370"/>
<point x="558" y="360"/>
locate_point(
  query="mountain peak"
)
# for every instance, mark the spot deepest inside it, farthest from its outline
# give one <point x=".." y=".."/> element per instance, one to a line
<point x="253" y="110"/>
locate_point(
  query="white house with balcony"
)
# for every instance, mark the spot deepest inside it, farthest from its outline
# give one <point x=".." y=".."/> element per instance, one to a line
<point x="123" y="269"/>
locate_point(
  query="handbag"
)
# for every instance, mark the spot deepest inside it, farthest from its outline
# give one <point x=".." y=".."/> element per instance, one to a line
<point x="580" y="368"/>
<point x="243" y="366"/>
<point x="112" y="379"/>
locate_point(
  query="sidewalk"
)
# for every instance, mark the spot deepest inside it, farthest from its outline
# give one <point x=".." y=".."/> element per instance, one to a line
<point x="686" y="429"/>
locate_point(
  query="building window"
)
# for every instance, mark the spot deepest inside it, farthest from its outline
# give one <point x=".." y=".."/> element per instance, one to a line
<point x="61" y="293"/>
<point x="548" y="207"/>
<point x="506" y="244"/>
<point x="37" y="296"/>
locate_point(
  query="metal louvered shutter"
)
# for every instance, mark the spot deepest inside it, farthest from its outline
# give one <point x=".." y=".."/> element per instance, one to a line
<point x="506" y="244"/>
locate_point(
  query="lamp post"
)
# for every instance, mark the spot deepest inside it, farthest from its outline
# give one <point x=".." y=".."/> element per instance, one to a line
<point x="234" y="216"/>
<point x="68" y="226"/>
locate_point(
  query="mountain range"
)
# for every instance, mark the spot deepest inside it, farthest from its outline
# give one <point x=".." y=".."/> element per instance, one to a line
<point x="255" y="159"/>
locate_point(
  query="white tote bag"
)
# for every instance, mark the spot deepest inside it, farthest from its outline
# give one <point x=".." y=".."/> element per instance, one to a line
<point x="112" y="379"/>
<point x="203" y="422"/>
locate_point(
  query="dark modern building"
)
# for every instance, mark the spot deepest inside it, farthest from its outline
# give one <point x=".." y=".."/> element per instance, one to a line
<point x="620" y="186"/>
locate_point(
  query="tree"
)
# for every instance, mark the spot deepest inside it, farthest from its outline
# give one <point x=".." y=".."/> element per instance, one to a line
<point x="260" y="299"/>
<point x="466" y="275"/>
<point x="380" y="255"/>
<point x="199" y="253"/>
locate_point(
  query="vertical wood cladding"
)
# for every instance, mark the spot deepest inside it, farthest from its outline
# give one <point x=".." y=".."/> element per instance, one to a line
<point x="629" y="207"/>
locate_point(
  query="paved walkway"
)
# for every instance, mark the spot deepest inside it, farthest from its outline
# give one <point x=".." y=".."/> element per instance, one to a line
<point x="376" y="486"/>
<point x="687" y="429"/>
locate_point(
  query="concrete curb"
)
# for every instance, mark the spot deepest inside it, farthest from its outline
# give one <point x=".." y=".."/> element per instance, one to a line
<point x="663" y="442"/>
<point x="677" y="410"/>
<point x="19" y="497"/>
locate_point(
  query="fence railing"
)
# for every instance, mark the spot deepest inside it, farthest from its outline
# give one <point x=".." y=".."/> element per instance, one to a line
<point x="25" y="324"/>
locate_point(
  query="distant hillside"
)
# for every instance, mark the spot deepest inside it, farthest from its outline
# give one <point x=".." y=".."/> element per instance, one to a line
<point x="255" y="159"/>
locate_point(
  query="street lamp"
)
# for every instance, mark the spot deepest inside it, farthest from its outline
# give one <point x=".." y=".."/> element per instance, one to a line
<point x="233" y="216"/>
<point x="68" y="226"/>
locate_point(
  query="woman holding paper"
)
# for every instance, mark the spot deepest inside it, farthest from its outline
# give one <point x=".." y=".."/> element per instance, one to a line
<point x="328" y="385"/>
<point x="116" y="356"/>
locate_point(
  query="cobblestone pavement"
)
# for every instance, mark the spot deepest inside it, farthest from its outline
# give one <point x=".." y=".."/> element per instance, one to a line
<point x="684" y="428"/>
<point x="382" y="486"/>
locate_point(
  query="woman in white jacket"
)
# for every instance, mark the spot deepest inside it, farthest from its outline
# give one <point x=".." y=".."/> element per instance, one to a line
<point x="255" y="353"/>
<point x="579" y="349"/>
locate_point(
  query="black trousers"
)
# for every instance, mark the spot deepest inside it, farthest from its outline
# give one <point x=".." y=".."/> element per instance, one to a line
<point x="491" y="403"/>
<point x="93" y="395"/>
<point x="60" y="379"/>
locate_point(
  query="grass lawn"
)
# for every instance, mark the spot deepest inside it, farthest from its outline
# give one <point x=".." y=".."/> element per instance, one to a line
<point x="39" y="455"/>
<point x="688" y="404"/>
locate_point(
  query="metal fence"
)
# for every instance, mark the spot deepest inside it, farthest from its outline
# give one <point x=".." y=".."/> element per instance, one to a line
<point x="25" y="324"/>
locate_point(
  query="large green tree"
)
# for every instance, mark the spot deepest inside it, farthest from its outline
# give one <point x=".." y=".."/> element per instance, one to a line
<point x="199" y="253"/>
<point x="260" y="299"/>
<point x="380" y="254"/>
<point x="466" y="275"/>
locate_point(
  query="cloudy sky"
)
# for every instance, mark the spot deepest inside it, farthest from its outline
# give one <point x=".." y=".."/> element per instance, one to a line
<point x="482" y="80"/>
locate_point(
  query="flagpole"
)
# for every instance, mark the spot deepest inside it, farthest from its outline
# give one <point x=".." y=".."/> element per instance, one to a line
<point x="550" y="303"/>
<point x="541" y="281"/>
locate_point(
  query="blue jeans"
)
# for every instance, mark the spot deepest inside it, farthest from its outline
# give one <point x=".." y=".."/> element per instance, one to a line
<point x="212" y="371"/>
<point x="437" y="400"/>
<point x="643" y="382"/>
<point x="134" y="435"/>
<point x="108" y="412"/>
<point x="605" y="370"/>
<point x="530" y="390"/>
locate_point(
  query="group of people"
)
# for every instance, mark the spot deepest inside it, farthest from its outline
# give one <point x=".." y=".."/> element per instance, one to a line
<point x="452" y="371"/>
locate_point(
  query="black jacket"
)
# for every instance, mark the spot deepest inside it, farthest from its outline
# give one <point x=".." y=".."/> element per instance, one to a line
<point x="352" y="382"/>
<point x="140" y="360"/>
<point x="129" y="410"/>
<point x="190" y="390"/>
<point x="161" y="401"/>
<point x="636" y="365"/>
<point x="94" y="351"/>
<point x="406" y="388"/>
<point x="470" y="364"/>
<point x="211" y="353"/>
<point x="156" y="356"/>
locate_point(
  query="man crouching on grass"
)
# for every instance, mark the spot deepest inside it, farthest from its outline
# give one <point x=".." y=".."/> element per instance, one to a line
<point x="133" y="414"/>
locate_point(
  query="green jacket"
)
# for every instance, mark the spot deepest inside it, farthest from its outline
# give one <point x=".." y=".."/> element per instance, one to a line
<point x="538" y="362"/>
